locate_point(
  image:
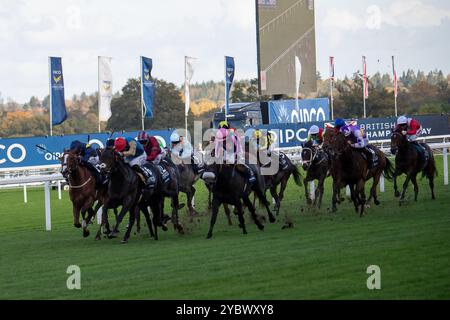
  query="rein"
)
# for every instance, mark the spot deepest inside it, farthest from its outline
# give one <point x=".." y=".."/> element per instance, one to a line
<point x="81" y="185"/>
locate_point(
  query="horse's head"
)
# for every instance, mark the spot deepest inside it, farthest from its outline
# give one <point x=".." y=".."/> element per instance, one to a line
<point x="338" y="144"/>
<point x="108" y="159"/>
<point x="69" y="163"/>
<point x="398" y="141"/>
<point x="307" y="155"/>
<point x="328" y="136"/>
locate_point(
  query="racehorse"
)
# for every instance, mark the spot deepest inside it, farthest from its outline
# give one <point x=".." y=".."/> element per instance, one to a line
<point x="187" y="180"/>
<point x="231" y="186"/>
<point x="280" y="178"/>
<point x="349" y="167"/>
<point x="124" y="189"/>
<point x="82" y="189"/>
<point x="409" y="162"/>
<point x="316" y="162"/>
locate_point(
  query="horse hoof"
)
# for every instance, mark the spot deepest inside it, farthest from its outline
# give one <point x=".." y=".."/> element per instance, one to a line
<point x="86" y="233"/>
<point x="77" y="225"/>
<point x="98" y="238"/>
<point x="272" y="220"/>
<point x="377" y="203"/>
<point x="124" y="241"/>
<point x="209" y="236"/>
<point x="244" y="232"/>
<point x="261" y="227"/>
<point x="397" y="194"/>
<point x="164" y="228"/>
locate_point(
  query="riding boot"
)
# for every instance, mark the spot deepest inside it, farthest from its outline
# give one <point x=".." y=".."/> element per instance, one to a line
<point x="250" y="174"/>
<point x="150" y="180"/>
<point x="99" y="180"/>
<point x="368" y="156"/>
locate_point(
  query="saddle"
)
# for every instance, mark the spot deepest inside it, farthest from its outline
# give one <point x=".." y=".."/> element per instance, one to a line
<point x="370" y="155"/>
<point x="165" y="175"/>
<point x="284" y="163"/>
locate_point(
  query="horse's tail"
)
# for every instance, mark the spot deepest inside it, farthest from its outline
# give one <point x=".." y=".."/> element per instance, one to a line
<point x="297" y="176"/>
<point x="431" y="170"/>
<point x="388" y="171"/>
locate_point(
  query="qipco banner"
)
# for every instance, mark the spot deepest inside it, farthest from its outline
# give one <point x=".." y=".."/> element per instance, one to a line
<point x="292" y="111"/>
<point x="24" y="152"/>
<point x="293" y="135"/>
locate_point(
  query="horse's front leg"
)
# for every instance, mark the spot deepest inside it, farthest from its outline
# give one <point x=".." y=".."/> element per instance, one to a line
<point x="307" y="197"/>
<point x="321" y="188"/>
<point x="215" y="209"/>
<point x="394" y="177"/>
<point x="336" y="187"/>
<point x="416" y="186"/>
<point x="405" y="187"/>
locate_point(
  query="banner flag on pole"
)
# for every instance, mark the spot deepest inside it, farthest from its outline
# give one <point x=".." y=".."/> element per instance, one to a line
<point x="105" y="91"/>
<point x="229" y="77"/>
<point x="395" y="78"/>
<point x="298" y="75"/>
<point x="57" y="101"/>
<point x="365" y="78"/>
<point x="332" y="68"/>
<point x="147" y="87"/>
<point x="188" y="73"/>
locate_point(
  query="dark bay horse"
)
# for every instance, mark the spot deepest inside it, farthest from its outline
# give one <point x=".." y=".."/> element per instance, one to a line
<point x="281" y="178"/>
<point x="124" y="189"/>
<point x="187" y="180"/>
<point x="349" y="167"/>
<point x="316" y="162"/>
<point x="82" y="189"/>
<point x="409" y="162"/>
<point x="232" y="187"/>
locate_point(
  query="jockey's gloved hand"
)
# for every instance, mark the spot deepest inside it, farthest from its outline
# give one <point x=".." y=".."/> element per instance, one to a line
<point x="404" y="132"/>
<point x="120" y="154"/>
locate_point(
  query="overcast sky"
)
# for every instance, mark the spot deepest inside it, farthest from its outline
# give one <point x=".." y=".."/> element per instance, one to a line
<point x="415" y="31"/>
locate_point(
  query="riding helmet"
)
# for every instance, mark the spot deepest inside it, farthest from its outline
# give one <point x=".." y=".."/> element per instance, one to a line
<point x="338" y="123"/>
<point x="402" y="120"/>
<point x="313" y="130"/>
<point x="143" y="136"/>
<point x="120" y="144"/>
<point x="174" y="137"/>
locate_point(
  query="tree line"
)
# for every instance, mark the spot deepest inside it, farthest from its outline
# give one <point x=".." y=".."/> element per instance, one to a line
<point x="418" y="93"/>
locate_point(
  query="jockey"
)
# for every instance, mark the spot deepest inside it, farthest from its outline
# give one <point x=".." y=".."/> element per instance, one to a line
<point x="153" y="151"/>
<point x="358" y="140"/>
<point x="412" y="129"/>
<point x="315" y="135"/>
<point x="183" y="149"/>
<point x="132" y="151"/>
<point x="89" y="158"/>
<point x="339" y="123"/>
<point x="228" y="148"/>
<point x="409" y="127"/>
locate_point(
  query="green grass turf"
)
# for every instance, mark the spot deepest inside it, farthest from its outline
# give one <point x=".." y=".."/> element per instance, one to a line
<point x="324" y="256"/>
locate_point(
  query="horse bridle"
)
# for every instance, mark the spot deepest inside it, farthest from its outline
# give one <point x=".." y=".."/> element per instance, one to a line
<point x="314" y="154"/>
<point x="66" y="173"/>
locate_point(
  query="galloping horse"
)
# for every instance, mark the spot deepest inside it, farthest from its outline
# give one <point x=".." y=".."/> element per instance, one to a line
<point x="82" y="189"/>
<point x="281" y="177"/>
<point x="124" y="189"/>
<point x="350" y="168"/>
<point x="187" y="180"/>
<point x="316" y="162"/>
<point x="232" y="187"/>
<point x="409" y="162"/>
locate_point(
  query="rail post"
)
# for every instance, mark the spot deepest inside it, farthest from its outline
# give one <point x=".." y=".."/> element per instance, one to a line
<point x="25" y="195"/>
<point x="382" y="189"/>
<point x="445" y="155"/>
<point x="48" y="217"/>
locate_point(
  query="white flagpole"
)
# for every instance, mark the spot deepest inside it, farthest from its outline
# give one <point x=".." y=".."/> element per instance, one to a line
<point x="395" y="86"/>
<point x="50" y="96"/>
<point x="142" y="97"/>
<point x="226" y="88"/>
<point x="364" y="87"/>
<point x="185" y="96"/>
<point x="331" y="99"/>
<point x="99" y="94"/>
